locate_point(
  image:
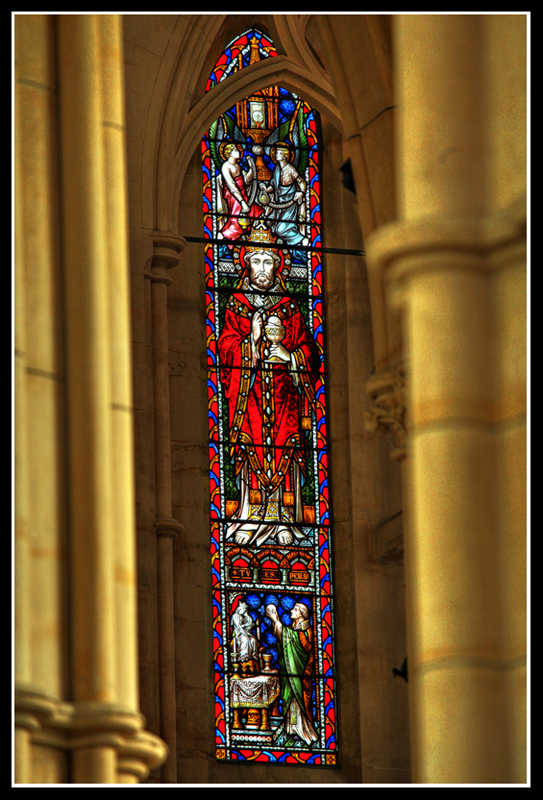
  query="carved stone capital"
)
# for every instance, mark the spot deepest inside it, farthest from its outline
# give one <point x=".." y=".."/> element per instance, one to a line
<point x="387" y="392"/>
<point x="167" y="249"/>
<point x="167" y="526"/>
<point x="403" y="249"/>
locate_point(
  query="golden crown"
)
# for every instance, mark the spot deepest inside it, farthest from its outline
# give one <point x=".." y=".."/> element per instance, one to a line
<point x="260" y="236"/>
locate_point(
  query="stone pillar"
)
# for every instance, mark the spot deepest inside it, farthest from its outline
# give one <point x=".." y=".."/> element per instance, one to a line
<point x="76" y="653"/>
<point x="167" y="249"/>
<point x="22" y="511"/>
<point x="122" y="445"/>
<point x="92" y="529"/>
<point x="23" y="672"/>
<point x="40" y="627"/>
<point x="121" y="384"/>
<point x="446" y="264"/>
<point x="107" y="740"/>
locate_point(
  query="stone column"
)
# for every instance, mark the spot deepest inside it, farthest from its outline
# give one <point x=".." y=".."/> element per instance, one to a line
<point x="445" y="264"/>
<point x="122" y="445"/>
<point x="167" y="249"/>
<point x="88" y="347"/>
<point x="23" y="672"/>
<point x="76" y="653"/>
<point x="40" y="630"/>
<point x="23" y="723"/>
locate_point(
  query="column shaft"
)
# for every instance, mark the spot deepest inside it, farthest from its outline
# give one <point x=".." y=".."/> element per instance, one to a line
<point x="22" y="610"/>
<point x="40" y="491"/>
<point x="95" y="765"/>
<point x="168" y="704"/>
<point x="447" y="264"/>
<point x="88" y="353"/>
<point x="163" y="509"/>
<point x="167" y="248"/>
<point x="159" y="311"/>
<point x="455" y="662"/>
<point x="125" y="580"/>
<point x="22" y="755"/>
<point x="76" y="691"/>
<point x="441" y="143"/>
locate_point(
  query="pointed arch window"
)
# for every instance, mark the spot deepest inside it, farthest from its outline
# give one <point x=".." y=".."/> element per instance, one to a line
<point x="273" y="629"/>
<point x="246" y="49"/>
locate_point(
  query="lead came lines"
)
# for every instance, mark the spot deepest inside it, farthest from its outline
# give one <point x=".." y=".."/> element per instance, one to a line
<point x="301" y="271"/>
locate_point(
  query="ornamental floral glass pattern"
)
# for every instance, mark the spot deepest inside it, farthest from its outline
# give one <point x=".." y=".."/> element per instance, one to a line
<point x="273" y="637"/>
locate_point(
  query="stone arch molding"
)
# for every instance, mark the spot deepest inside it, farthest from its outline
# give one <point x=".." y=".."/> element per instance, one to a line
<point x="172" y="136"/>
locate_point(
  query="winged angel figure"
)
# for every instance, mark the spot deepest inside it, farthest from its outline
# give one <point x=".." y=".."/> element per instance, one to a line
<point x="281" y="200"/>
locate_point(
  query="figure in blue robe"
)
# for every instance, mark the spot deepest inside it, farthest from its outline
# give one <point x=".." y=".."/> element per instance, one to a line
<point x="288" y="187"/>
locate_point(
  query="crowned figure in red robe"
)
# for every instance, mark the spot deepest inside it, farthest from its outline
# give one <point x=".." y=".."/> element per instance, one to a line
<point x="269" y="367"/>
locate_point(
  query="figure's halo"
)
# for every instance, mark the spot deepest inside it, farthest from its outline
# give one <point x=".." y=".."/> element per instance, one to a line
<point x="282" y="146"/>
<point x="229" y="143"/>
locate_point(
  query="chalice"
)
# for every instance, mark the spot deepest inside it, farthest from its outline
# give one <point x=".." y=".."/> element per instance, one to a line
<point x="275" y="332"/>
<point x="244" y="222"/>
<point x="267" y="659"/>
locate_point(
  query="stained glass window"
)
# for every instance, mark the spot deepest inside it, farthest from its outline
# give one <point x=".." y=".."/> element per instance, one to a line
<point x="273" y="630"/>
<point x="242" y="51"/>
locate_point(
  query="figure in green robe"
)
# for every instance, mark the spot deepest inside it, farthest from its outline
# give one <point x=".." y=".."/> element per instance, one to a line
<point x="296" y="664"/>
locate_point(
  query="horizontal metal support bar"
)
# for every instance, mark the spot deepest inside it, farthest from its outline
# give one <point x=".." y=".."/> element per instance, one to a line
<point x="243" y="445"/>
<point x="283" y="523"/>
<point x="240" y="243"/>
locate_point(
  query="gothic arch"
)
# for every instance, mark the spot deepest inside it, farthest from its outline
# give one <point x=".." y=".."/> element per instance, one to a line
<point x="181" y="130"/>
<point x="180" y="112"/>
<point x="346" y="279"/>
<point x="221" y="97"/>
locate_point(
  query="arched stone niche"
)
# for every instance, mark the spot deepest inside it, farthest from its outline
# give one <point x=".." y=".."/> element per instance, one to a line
<point x="365" y="482"/>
